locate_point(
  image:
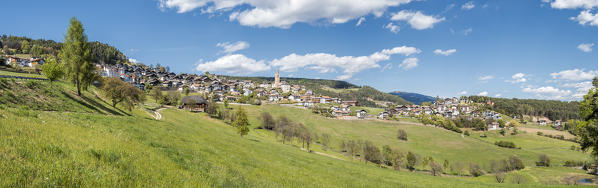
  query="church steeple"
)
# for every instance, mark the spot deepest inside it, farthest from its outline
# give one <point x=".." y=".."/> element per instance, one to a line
<point x="277" y="79"/>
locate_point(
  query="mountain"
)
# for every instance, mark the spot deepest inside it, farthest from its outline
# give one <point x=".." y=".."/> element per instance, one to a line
<point x="415" y="98"/>
<point x="364" y="95"/>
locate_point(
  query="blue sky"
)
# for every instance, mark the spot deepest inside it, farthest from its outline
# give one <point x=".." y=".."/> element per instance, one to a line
<point x="508" y="48"/>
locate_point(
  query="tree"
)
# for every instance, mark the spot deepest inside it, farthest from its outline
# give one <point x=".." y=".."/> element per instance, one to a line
<point x="119" y="91"/>
<point x="241" y="122"/>
<point x="186" y="91"/>
<point x="475" y="170"/>
<point x="588" y="129"/>
<point x="371" y="152"/>
<point x="25" y="46"/>
<point x="544" y="160"/>
<point x="267" y="121"/>
<point x="76" y="56"/>
<point x="402" y="135"/>
<point x="501" y="123"/>
<point x="173" y="97"/>
<point x="36" y="50"/>
<point x="435" y="169"/>
<point x="156" y="93"/>
<point x="325" y="139"/>
<point x="411" y="161"/>
<point x="513" y="123"/>
<point x="500" y="177"/>
<point x="52" y="69"/>
<point x="397" y="159"/>
<point x="515" y="163"/>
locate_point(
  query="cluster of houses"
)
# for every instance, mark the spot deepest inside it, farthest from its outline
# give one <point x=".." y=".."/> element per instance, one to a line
<point x="220" y="87"/>
<point x="23" y="62"/>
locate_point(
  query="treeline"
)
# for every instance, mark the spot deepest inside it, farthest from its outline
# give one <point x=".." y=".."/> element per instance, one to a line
<point x="101" y="53"/>
<point x="552" y="109"/>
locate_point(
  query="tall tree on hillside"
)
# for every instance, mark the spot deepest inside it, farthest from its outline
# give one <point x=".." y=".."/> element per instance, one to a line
<point x="588" y="130"/>
<point x="36" y="50"/>
<point x="241" y="122"/>
<point x="25" y="46"/>
<point x="76" y="56"/>
<point x="52" y="69"/>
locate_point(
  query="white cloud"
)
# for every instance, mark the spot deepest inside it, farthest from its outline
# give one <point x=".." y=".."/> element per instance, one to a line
<point x="498" y="95"/>
<point x="326" y="63"/>
<point x="586" y="17"/>
<point x="467" y="31"/>
<point x="463" y="93"/>
<point x="285" y="13"/>
<point x="582" y="88"/>
<point x="133" y="60"/>
<point x="360" y="21"/>
<point x="585" y="47"/>
<point x="445" y="52"/>
<point x="573" y="4"/>
<point x="228" y="47"/>
<point x="548" y="92"/>
<point x="483" y="93"/>
<point x="392" y="27"/>
<point x="468" y="6"/>
<point x="575" y="75"/>
<point x="388" y="66"/>
<point x="409" y="63"/>
<point x="486" y="78"/>
<point x="233" y="64"/>
<point x="344" y="77"/>
<point x="417" y="20"/>
<point x="518" y="78"/>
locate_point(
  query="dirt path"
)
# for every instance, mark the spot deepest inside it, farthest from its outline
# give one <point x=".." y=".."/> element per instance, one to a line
<point x="324" y="154"/>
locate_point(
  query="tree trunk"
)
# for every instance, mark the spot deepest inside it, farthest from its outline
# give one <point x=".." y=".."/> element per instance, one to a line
<point x="78" y="87"/>
<point x="113" y="103"/>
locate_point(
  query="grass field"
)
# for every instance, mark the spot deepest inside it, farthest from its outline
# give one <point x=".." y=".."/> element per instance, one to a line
<point x="85" y="142"/>
<point x="9" y="73"/>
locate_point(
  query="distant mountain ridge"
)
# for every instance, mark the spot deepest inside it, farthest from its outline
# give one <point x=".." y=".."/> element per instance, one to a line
<point x="415" y="98"/>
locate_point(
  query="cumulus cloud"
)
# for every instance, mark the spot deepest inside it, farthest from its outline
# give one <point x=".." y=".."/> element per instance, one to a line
<point x="463" y="93"/>
<point x="468" y="6"/>
<point x="467" y="31"/>
<point x="575" y="75"/>
<point x="133" y="60"/>
<point x="548" y="92"/>
<point x="326" y="63"/>
<point x="388" y="66"/>
<point x="392" y="27"/>
<point x="498" y="95"/>
<point x="573" y="4"/>
<point x="285" y="13"/>
<point x="445" y="52"/>
<point x="417" y="20"/>
<point x="586" y="17"/>
<point x="228" y="47"/>
<point x="483" y="93"/>
<point x="518" y="78"/>
<point x="360" y="21"/>
<point x="409" y="63"/>
<point x="233" y="64"/>
<point x="581" y="88"/>
<point x="485" y="78"/>
<point x="585" y="47"/>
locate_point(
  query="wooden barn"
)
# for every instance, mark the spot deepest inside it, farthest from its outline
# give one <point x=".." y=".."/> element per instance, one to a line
<point x="194" y="103"/>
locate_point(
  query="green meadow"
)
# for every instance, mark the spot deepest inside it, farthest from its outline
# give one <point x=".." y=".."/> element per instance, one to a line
<point x="51" y="137"/>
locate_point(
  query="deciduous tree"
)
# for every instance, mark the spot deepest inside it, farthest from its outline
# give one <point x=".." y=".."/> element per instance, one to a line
<point x="119" y="91"/>
<point x="241" y="122"/>
<point x="52" y="69"/>
<point x="76" y="56"/>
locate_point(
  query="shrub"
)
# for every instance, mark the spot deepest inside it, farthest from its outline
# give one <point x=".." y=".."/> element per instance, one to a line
<point x="572" y="163"/>
<point x="544" y="160"/>
<point x="402" y="135"/>
<point x="517" y="178"/>
<point x="540" y="133"/>
<point x="411" y="161"/>
<point x="505" y="144"/>
<point x="435" y="169"/>
<point x="516" y="163"/>
<point x="466" y="133"/>
<point x="500" y="177"/>
<point x="267" y="121"/>
<point x="475" y="170"/>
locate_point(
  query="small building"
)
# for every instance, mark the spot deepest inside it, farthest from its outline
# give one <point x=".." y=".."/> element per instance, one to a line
<point x="361" y="114"/>
<point x="194" y="103"/>
<point x="493" y="126"/>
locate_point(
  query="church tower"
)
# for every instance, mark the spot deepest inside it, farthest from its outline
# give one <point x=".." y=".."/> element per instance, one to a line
<point x="277" y="79"/>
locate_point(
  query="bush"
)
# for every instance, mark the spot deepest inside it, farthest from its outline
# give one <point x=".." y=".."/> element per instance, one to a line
<point x="466" y="133"/>
<point x="505" y="144"/>
<point x="540" y="133"/>
<point x="402" y="135"/>
<point x="435" y="169"/>
<point x="475" y="170"/>
<point x="516" y="163"/>
<point x="572" y="163"/>
<point x="544" y="160"/>
<point x="500" y="177"/>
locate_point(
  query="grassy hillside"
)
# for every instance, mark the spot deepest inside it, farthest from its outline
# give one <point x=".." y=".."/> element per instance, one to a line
<point x="85" y="142"/>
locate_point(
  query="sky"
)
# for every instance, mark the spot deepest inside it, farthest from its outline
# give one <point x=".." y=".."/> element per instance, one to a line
<point x="541" y="49"/>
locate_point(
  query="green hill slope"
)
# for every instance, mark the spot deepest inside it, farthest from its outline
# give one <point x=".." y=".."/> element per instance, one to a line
<point x="89" y="146"/>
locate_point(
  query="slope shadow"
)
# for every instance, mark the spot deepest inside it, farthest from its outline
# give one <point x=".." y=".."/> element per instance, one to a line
<point x="82" y="103"/>
<point x="103" y="107"/>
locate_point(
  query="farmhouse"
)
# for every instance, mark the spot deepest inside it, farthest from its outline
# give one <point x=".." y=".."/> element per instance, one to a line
<point x="194" y="103"/>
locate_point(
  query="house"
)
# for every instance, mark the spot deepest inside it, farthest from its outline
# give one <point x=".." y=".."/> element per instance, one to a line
<point x="194" y="103"/>
<point x="361" y="114"/>
<point x="493" y="126"/>
<point x="543" y="121"/>
<point x="383" y="115"/>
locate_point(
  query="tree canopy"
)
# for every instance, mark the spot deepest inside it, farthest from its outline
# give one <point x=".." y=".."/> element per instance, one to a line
<point x="119" y="91"/>
<point x="76" y="56"/>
